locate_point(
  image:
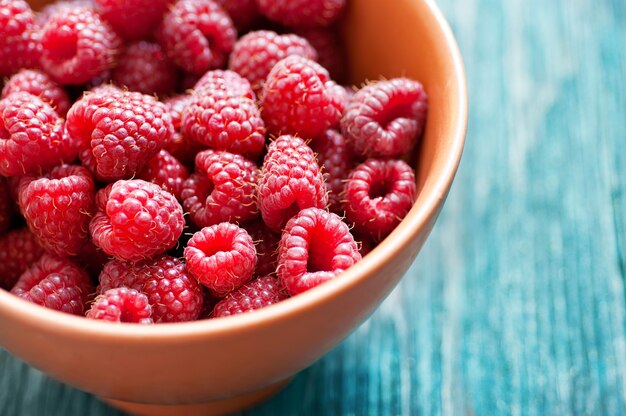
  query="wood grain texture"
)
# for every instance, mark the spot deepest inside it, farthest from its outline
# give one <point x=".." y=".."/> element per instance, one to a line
<point x="516" y="305"/>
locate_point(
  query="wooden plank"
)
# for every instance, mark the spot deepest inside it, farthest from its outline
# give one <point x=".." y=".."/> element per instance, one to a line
<point x="516" y="304"/>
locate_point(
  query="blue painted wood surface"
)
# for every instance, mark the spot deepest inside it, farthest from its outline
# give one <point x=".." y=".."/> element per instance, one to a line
<point x="516" y="305"/>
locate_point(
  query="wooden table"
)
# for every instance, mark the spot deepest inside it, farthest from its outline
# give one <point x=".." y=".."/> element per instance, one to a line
<point x="516" y="305"/>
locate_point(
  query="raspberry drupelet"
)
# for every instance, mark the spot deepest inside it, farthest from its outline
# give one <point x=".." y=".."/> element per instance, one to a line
<point x="223" y="122"/>
<point x="20" y="43"/>
<point x="56" y="283"/>
<point x="133" y="19"/>
<point x="222" y="257"/>
<point x="378" y="194"/>
<point x="299" y="98"/>
<point x="386" y="118"/>
<point x="121" y="305"/>
<point x="78" y="46"/>
<point x="58" y="208"/>
<point x="257" y="294"/>
<point x="315" y="247"/>
<point x="18" y="250"/>
<point x="255" y="54"/>
<point x="173" y="294"/>
<point x="143" y="67"/>
<point x="32" y="139"/>
<point x="40" y="84"/>
<point x="290" y="181"/>
<point x="118" y="131"/>
<point x="302" y="13"/>
<point x="197" y="35"/>
<point x="136" y="220"/>
<point x="223" y="188"/>
<point x="167" y="172"/>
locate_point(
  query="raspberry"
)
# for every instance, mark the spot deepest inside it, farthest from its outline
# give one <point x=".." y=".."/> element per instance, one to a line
<point x="58" y="208"/>
<point x="40" y="84"/>
<point x="256" y="53"/>
<point x="242" y="12"/>
<point x="51" y="9"/>
<point x="224" y="81"/>
<point x="378" y="195"/>
<point x="178" y="146"/>
<point x="78" y="46"/>
<point x="172" y="293"/>
<point x="121" y="305"/>
<point x="92" y="259"/>
<point x="20" y="45"/>
<point x="118" y="132"/>
<point x="335" y="155"/>
<point x="266" y="243"/>
<point x="209" y="303"/>
<point x="136" y="220"/>
<point x="197" y="35"/>
<point x="31" y="136"/>
<point x="222" y="257"/>
<point x="302" y="13"/>
<point x="18" y="250"/>
<point x="329" y="51"/>
<point x="315" y="247"/>
<point x="167" y="172"/>
<point x="386" y="118"/>
<point x="290" y="181"/>
<point x="226" y="123"/>
<point x="222" y="189"/>
<point x="143" y="67"/>
<point x="298" y="98"/>
<point x="7" y="206"/>
<point x="259" y="293"/>
<point x="133" y="19"/>
<point x="55" y="283"/>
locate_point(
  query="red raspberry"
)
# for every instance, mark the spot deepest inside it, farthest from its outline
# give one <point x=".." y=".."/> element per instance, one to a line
<point x="167" y="172"/>
<point x="183" y="149"/>
<point x="386" y="118"/>
<point x="222" y="122"/>
<point x="78" y="46"/>
<point x="20" y="45"/>
<point x="266" y="243"/>
<point x="329" y="51"/>
<point x="18" y="250"/>
<point x="92" y="259"/>
<point x="222" y="257"/>
<point x="228" y="82"/>
<point x="118" y="132"/>
<point x="259" y="293"/>
<point x="255" y="54"/>
<point x="58" y="208"/>
<point x="51" y="9"/>
<point x="31" y="136"/>
<point x="222" y="189"/>
<point x="197" y="35"/>
<point x="302" y="13"/>
<point x="172" y="293"/>
<point x="299" y="99"/>
<point x="315" y="247"/>
<point x="378" y="194"/>
<point x="133" y="19"/>
<point x="243" y="13"/>
<point x="121" y="305"/>
<point x="56" y="283"/>
<point x="143" y="67"/>
<point x="40" y="84"/>
<point x="334" y="154"/>
<point x="7" y="205"/>
<point x="290" y="181"/>
<point x="135" y="220"/>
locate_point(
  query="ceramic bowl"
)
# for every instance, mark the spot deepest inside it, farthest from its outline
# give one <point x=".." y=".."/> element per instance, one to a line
<point x="223" y="365"/>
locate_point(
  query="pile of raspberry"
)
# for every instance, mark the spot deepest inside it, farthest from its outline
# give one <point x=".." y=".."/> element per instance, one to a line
<point x="168" y="161"/>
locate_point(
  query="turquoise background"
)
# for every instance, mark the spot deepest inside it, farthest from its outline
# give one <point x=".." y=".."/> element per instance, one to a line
<point x="516" y="305"/>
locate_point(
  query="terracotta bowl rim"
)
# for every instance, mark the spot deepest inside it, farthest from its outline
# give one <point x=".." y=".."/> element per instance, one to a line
<point x="409" y="229"/>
